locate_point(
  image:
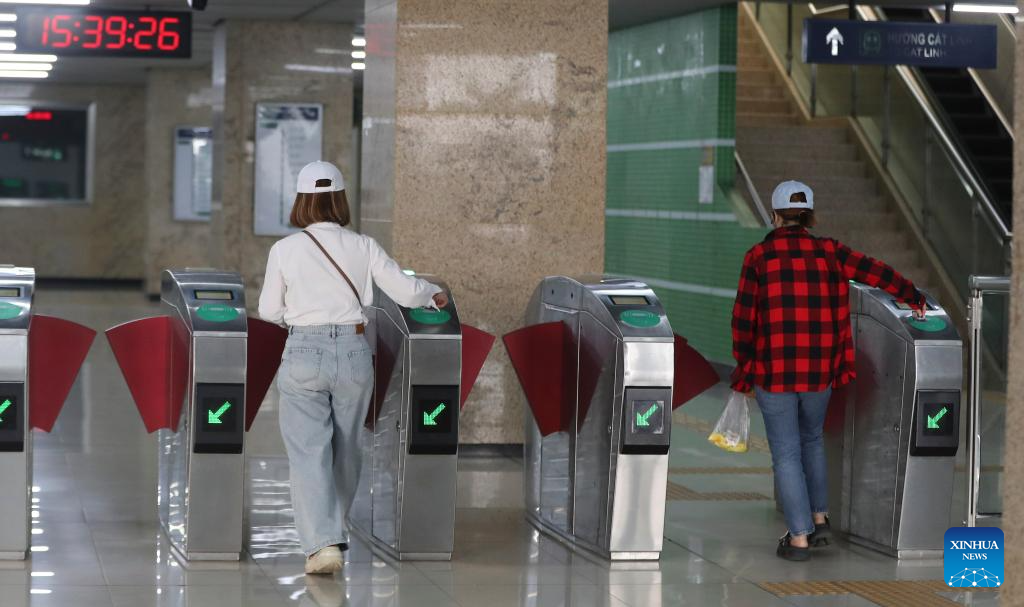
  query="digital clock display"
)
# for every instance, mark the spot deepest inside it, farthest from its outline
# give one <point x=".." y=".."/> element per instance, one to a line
<point x="105" y="33"/>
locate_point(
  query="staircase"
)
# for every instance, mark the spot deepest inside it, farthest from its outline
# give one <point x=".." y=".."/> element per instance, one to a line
<point x="777" y="144"/>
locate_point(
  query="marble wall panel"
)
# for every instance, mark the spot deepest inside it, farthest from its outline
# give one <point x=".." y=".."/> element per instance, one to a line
<point x="499" y="159"/>
<point x="104" y="239"/>
<point x="262" y="61"/>
<point x="174" y="97"/>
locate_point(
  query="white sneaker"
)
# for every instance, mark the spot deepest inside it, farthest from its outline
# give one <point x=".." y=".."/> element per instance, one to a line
<point x="327" y="560"/>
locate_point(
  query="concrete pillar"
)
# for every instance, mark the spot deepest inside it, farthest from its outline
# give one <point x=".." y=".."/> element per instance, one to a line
<point x="174" y="97"/>
<point x="269" y="61"/>
<point x="484" y="159"/>
<point x="1012" y="593"/>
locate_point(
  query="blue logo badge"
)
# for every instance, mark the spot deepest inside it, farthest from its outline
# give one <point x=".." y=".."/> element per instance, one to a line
<point x="973" y="557"/>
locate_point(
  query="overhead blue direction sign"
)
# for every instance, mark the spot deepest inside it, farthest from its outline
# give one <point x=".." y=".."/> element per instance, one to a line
<point x="892" y="43"/>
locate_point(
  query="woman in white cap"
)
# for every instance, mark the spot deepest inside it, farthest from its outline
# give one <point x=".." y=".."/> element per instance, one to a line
<point x="317" y="282"/>
<point x="793" y="344"/>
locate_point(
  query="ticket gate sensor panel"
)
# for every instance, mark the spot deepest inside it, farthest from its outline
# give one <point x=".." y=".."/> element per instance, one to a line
<point x="198" y="374"/>
<point x="892" y="435"/>
<point x="425" y="362"/>
<point x="597" y="362"/>
<point x="39" y="359"/>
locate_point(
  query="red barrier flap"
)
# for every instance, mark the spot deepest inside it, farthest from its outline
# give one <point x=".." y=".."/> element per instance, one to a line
<point x="263" y="349"/>
<point x="383" y="368"/>
<point x="476" y="345"/>
<point x="693" y="373"/>
<point x="153" y="357"/>
<point x="539" y="356"/>
<point x="56" y="350"/>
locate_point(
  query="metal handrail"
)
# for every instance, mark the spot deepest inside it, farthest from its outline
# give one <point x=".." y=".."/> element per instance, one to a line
<point x="966" y="174"/>
<point x="752" y="190"/>
<point x="979" y="287"/>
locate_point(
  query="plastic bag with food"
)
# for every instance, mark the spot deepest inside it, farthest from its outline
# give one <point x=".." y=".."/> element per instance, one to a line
<point x="733" y="427"/>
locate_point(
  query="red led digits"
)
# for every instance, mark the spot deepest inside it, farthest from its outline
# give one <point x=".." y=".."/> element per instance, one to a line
<point x="168" y="40"/>
<point x="94" y="28"/>
<point x="116" y="26"/>
<point x="147" y="29"/>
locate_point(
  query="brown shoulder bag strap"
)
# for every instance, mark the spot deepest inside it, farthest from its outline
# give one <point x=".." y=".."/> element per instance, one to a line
<point x="336" y="266"/>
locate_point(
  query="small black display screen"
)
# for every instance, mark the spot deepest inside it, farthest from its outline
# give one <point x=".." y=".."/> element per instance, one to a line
<point x="10" y="292"/>
<point x="12" y="422"/>
<point x="434" y="420"/>
<point x="214" y="295"/>
<point x="629" y="300"/>
<point x="219" y="418"/>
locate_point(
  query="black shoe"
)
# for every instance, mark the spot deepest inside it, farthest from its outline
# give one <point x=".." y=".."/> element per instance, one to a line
<point x="790" y="552"/>
<point x="822" y="535"/>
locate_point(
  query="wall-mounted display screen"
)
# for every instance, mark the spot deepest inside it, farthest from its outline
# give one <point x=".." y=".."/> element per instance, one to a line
<point x="104" y="33"/>
<point x="44" y="154"/>
<point x="193" y="173"/>
<point x="629" y="300"/>
<point x="214" y="295"/>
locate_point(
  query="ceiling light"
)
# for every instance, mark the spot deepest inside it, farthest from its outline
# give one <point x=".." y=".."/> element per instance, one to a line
<point x="330" y="51"/>
<point x="17" y="74"/>
<point x="359" y="54"/>
<point x="8" y="46"/>
<point x="27" y="57"/>
<point x="985" y="8"/>
<point x="13" y="65"/>
<point x="8" y="33"/>
<point x="14" y="110"/>
<point x="358" y="65"/>
<point x="321" y="69"/>
<point x="8" y="17"/>
<point x="359" y="41"/>
<point x="61" y="2"/>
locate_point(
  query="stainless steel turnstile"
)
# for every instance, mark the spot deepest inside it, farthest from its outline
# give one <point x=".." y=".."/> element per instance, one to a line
<point x="599" y="481"/>
<point x="892" y="435"/>
<point x="17" y="286"/>
<point x="405" y="504"/>
<point x="198" y="373"/>
<point x="201" y="459"/>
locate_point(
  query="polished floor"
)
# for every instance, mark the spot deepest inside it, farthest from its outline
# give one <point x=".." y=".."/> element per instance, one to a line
<point x="96" y="541"/>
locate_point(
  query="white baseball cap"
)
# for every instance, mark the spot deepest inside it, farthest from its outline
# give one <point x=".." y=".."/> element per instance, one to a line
<point x="784" y="192"/>
<point x="314" y="172"/>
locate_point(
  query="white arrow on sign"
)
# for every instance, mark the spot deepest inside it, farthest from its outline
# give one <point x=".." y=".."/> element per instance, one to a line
<point x="835" y="39"/>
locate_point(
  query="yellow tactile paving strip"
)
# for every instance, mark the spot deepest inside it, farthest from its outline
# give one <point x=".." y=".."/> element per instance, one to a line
<point x="882" y="593"/>
<point x="677" y="492"/>
<point x="754" y="443"/>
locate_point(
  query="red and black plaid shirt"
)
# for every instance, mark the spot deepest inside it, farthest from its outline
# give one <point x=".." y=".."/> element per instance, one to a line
<point x="791" y="322"/>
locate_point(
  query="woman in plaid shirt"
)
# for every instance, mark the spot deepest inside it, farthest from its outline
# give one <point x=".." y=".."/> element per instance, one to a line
<point x="793" y="344"/>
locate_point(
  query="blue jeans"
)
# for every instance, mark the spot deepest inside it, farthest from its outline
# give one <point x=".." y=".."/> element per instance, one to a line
<point x="325" y="380"/>
<point x="794" y="422"/>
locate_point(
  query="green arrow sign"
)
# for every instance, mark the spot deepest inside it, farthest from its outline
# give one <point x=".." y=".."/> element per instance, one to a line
<point x="933" y="422"/>
<point x="214" y="418"/>
<point x="3" y="407"/>
<point x="430" y="419"/>
<point x="642" y="418"/>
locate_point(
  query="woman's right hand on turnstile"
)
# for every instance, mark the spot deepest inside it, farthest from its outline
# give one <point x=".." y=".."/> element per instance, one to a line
<point x="440" y="299"/>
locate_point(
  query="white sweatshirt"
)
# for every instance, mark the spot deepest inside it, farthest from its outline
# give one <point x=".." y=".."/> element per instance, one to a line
<point x="302" y="288"/>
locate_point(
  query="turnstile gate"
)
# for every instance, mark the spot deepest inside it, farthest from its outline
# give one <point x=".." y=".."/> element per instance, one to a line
<point x="599" y="365"/>
<point x="198" y="374"/>
<point x="425" y="363"/>
<point x="892" y="435"/>
<point x="39" y="359"/>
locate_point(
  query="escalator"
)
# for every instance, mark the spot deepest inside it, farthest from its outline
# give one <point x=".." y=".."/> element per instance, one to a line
<point x="971" y="120"/>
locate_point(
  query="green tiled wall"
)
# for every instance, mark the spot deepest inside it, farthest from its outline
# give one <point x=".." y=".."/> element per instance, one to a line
<point x="698" y="105"/>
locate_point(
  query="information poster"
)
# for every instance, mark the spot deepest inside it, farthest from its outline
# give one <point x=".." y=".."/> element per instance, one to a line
<point x="288" y="136"/>
<point x="193" y="173"/>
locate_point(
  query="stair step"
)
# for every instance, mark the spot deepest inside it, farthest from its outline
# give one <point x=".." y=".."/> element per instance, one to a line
<point x="811" y="152"/>
<point x="748" y="105"/>
<point x="762" y="77"/>
<point x="752" y="120"/>
<point x="781" y="164"/>
<point x="793" y="136"/>
<point x="824" y="186"/>
<point x="754" y="91"/>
